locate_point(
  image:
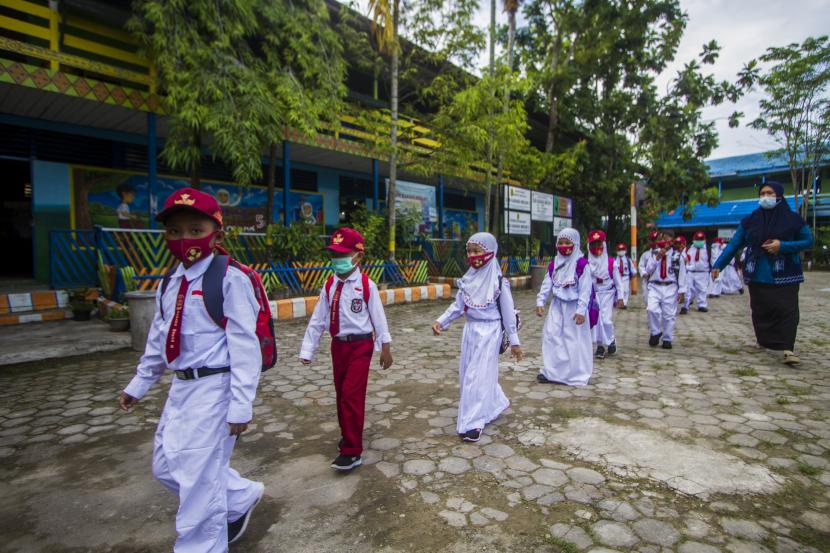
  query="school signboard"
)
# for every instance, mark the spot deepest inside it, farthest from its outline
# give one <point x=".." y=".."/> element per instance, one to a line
<point x="421" y="198"/>
<point x="560" y="223"/>
<point x="517" y="199"/>
<point x="516" y="222"/>
<point x="542" y="208"/>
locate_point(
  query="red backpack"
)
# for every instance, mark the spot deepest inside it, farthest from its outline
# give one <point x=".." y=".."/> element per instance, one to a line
<point x="214" y="297"/>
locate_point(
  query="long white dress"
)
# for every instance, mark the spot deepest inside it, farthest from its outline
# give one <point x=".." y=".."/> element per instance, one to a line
<point x="482" y="399"/>
<point x="567" y="350"/>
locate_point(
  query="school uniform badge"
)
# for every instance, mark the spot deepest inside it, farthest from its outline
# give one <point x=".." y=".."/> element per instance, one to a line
<point x="357" y="305"/>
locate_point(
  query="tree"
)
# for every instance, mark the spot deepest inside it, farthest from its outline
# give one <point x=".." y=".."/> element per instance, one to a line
<point x="796" y="109"/>
<point x="235" y="75"/>
<point x="440" y="32"/>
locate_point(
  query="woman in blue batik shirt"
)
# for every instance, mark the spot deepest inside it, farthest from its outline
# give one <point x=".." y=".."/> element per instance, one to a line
<point x="774" y="236"/>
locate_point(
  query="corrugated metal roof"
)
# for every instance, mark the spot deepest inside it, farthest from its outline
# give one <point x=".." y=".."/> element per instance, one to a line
<point x="724" y="214"/>
<point x="747" y="164"/>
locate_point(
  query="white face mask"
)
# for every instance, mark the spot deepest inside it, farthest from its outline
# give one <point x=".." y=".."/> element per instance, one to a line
<point x="768" y="202"/>
<point x="620" y="254"/>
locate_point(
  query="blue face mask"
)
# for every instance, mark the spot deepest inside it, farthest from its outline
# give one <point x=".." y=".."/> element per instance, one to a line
<point x="768" y="202"/>
<point x="342" y="265"/>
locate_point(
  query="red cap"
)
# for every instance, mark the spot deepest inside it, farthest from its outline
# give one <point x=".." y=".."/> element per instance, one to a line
<point x="700" y="235"/>
<point x="191" y="199"/>
<point x="652" y="235"/>
<point x="595" y="235"/>
<point x="680" y="239"/>
<point x="622" y="247"/>
<point x="346" y="240"/>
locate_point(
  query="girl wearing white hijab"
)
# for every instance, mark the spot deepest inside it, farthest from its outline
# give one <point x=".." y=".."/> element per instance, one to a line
<point x="566" y="334"/>
<point x="486" y="305"/>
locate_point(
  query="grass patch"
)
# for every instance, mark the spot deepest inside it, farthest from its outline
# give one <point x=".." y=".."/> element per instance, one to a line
<point x="747" y="371"/>
<point x="813" y="538"/>
<point x="782" y="400"/>
<point x="808" y="470"/>
<point x="562" y="545"/>
<point x="566" y="413"/>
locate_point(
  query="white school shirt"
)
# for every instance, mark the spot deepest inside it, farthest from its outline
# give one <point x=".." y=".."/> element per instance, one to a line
<point x="644" y="259"/>
<point x="679" y="277"/>
<point x="203" y="342"/>
<point x="629" y="269"/>
<point x="354" y="317"/>
<point x="701" y="266"/>
<point x="614" y="282"/>
<point x="489" y="313"/>
<point x="579" y="292"/>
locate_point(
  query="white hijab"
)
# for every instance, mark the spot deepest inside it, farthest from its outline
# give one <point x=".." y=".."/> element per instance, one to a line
<point x="480" y="287"/>
<point x="599" y="263"/>
<point x="564" y="267"/>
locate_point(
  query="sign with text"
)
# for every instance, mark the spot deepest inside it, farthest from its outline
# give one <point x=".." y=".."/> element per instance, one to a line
<point x="517" y="199"/>
<point x="516" y="222"/>
<point x="560" y="223"/>
<point x="542" y="207"/>
<point x="563" y="207"/>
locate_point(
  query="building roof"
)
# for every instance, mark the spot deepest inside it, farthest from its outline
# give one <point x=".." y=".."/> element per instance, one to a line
<point x="723" y="214"/>
<point x="750" y="164"/>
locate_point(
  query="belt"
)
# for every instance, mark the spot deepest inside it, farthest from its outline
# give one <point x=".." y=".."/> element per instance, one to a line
<point x="661" y="283"/>
<point x="691" y="271"/>
<point x="194" y="374"/>
<point x="354" y="337"/>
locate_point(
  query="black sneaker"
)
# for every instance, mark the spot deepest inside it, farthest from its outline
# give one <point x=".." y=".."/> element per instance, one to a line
<point x="741" y="291"/>
<point x="237" y="527"/>
<point x="473" y="435"/>
<point x="703" y="309"/>
<point x="346" y="462"/>
<point x="600" y="354"/>
<point x="717" y="295"/>
<point x="541" y="379"/>
<point x="612" y="349"/>
<point x="666" y="344"/>
<point x="683" y="310"/>
<point x="654" y="340"/>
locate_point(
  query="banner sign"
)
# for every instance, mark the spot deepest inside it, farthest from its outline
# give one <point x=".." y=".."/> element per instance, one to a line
<point x="411" y="196"/>
<point x="516" y="222"/>
<point x="517" y="198"/>
<point x="560" y="223"/>
<point x="563" y="207"/>
<point x="542" y="207"/>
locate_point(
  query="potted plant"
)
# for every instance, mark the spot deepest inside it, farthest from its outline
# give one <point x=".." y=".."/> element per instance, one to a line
<point x="278" y="291"/>
<point x="119" y="319"/>
<point x="81" y="301"/>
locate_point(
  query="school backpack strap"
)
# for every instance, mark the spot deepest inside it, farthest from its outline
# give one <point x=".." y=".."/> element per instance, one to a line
<point x="551" y="267"/>
<point x="329" y="282"/>
<point x="581" y="263"/>
<point x="165" y="281"/>
<point x="365" y="278"/>
<point x="212" y="283"/>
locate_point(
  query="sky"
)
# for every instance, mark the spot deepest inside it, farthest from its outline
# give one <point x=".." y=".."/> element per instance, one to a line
<point x="744" y="29"/>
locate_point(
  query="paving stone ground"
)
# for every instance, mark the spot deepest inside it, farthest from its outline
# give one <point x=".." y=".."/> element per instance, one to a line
<point x="701" y="449"/>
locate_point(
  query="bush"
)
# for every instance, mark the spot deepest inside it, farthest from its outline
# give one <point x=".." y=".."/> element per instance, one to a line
<point x="300" y="241"/>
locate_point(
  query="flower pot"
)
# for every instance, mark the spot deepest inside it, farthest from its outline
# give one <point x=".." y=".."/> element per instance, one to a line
<point x="119" y="325"/>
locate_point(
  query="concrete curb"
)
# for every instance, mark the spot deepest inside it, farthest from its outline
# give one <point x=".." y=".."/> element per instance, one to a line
<point x="298" y="308"/>
<point x="516" y="283"/>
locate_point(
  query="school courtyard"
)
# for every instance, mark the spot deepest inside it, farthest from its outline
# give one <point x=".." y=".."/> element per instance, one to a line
<point x="701" y="449"/>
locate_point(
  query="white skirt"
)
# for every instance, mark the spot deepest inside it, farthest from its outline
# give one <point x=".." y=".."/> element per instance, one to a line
<point x="732" y="282"/>
<point x="482" y="399"/>
<point x="566" y="347"/>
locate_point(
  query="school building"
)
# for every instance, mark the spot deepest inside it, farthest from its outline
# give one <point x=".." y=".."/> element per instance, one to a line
<point x="81" y="128"/>
<point x="738" y="179"/>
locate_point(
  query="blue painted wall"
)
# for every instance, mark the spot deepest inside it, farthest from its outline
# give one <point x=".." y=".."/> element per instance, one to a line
<point x="50" y="209"/>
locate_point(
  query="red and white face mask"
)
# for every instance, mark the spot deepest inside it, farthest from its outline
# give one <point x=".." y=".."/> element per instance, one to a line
<point x="479" y="261"/>
<point x="190" y="250"/>
<point x="596" y="250"/>
<point x="565" y="250"/>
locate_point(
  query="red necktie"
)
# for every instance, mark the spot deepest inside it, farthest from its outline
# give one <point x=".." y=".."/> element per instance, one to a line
<point x="334" y="320"/>
<point x="621" y="266"/>
<point x="697" y="255"/>
<point x="174" y="346"/>
<point x="663" y="273"/>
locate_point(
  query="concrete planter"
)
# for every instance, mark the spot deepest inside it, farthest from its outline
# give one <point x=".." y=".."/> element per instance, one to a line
<point x="142" y="308"/>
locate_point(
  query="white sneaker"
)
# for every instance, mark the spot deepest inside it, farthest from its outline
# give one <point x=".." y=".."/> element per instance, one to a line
<point x="791" y="359"/>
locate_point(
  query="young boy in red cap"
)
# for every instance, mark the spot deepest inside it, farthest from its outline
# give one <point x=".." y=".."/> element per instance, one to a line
<point x="698" y="268"/>
<point x="666" y="274"/>
<point x="350" y="308"/>
<point x="626" y="270"/>
<point x="217" y="371"/>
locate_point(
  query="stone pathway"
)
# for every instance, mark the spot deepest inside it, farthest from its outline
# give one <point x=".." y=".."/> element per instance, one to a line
<point x="701" y="449"/>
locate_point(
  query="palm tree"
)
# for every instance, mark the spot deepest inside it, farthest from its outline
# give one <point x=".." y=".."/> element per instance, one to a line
<point x="384" y="15"/>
